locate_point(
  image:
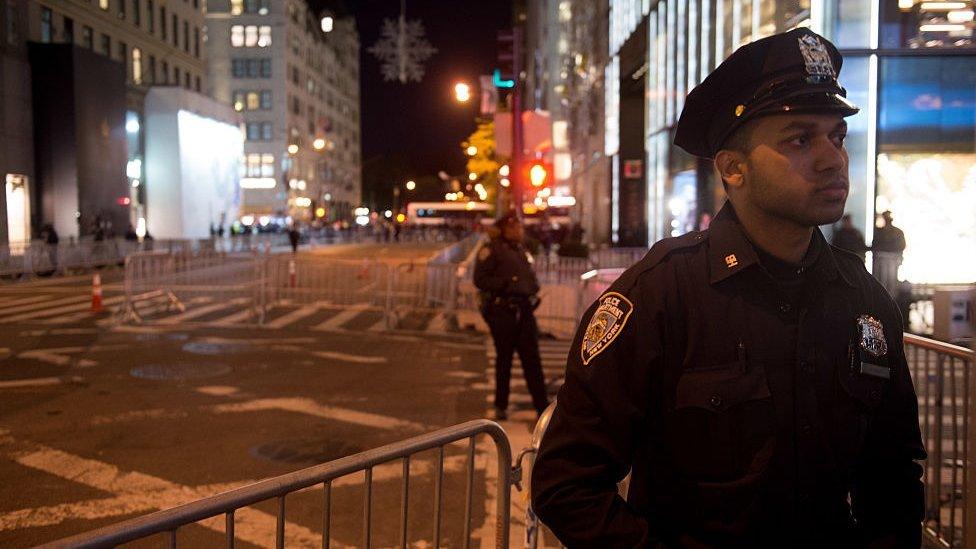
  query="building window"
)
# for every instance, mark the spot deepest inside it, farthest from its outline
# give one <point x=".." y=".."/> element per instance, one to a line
<point x="137" y="65"/>
<point x="197" y="81"/>
<point x="107" y="45"/>
<point x="253" y="101"/>
<point x="46" y="28"/>
<point x="186" y="36"/>
<point x="238" y="100"/>
<point x="267" y="129"/>
<point x="238" y="68"/>
<point x="69" y="30"/>
<point x="136" y="13"/>
<point x="165" y="79"/>
<point x="249" y="36"/>
<point x="236" y="7"/>
<point x="150" y="16"/>
<point x="151" y="73"/>
<point x="176" y="28"/>
<point x="176" y="76"/>
<point x="259" y="165"/>
<point x="121" y="9"/>
<point x="103" y="4"/>
<point x="86" y="37"/>
<point x="259" y="7"/>
<point x="186" y="79"/>
<point x="266" y="100"/>
<point x="196" y="42"/>
<point x="124" y="56"/>
<point x="162" y="21"/>
<point x="265" y="68"/>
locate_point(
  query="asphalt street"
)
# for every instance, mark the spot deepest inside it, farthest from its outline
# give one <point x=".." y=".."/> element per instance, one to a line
<point x="100" y="422"/>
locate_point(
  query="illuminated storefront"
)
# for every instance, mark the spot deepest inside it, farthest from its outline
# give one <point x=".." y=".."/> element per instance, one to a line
<point x="908" y="64"/>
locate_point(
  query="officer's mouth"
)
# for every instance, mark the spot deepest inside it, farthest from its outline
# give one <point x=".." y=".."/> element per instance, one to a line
<point x="834" y="191"/>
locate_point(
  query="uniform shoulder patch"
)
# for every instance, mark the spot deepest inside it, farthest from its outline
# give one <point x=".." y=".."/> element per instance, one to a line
<point x="605" y="325"/>
<point x="484" y="253"/>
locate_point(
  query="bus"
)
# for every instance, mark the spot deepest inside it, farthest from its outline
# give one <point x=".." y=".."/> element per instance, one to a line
<point x="446" y="213"/>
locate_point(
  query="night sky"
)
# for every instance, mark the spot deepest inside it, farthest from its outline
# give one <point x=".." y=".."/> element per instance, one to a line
<point x="421" y="121"/>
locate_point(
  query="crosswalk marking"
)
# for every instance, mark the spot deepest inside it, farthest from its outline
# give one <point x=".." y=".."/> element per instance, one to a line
<point x="60" y="310"/>
<point x="291" y="317"/>
<point x="201" y="311"/>
<point x="50" y="303"/>
<point x="341" y="318"/>
<point x="23" y="300"/>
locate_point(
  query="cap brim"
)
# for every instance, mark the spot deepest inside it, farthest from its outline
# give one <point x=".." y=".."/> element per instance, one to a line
<point x="806" y="102"/>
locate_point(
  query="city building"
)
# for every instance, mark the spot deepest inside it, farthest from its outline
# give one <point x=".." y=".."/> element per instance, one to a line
<point x="293" y="73"/>
<point x="908" y="65"/>
<point x="93" y="61"/>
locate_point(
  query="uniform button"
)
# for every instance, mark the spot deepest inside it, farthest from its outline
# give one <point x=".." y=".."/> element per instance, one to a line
<point x="785" y="308"/>
<point x="715" y="401"/>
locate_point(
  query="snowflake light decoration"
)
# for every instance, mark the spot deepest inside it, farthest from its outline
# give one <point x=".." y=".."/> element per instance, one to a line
<point x="402" y="49"/>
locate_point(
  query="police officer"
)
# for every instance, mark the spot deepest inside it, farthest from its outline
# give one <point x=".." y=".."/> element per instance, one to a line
<point x="509" y="288"/>
<point x="750" y="377"/>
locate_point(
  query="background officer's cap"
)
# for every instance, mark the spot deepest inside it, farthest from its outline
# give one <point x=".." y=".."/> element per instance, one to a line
<point x="784" y="73"/>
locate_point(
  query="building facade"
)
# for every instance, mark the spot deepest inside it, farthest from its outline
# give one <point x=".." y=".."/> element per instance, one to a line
<point x="148" y="42"/>
<point x="908" y="65"/>
<point x="294" y="75"/>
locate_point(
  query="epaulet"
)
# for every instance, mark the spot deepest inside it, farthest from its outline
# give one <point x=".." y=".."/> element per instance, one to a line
<point x="658" y="253"/>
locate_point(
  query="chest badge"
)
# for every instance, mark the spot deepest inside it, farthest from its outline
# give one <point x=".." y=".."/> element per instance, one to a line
<point x="731" y="261"/>
<point x="605" y="325"/>
<point x="872" y="339"/>
<point x="484" y="253"/>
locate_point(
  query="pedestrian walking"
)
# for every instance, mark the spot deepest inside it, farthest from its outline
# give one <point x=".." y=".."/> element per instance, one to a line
<point x="293" y="237"/>
<point x="750" y="377"/>
<point x="887" y="250"/>
<point x="509" y="296"/>
<point x="847" y="237"/>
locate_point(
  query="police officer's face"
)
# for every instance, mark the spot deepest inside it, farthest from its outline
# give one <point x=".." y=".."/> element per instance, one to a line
<point x="796" y="168"/>
<point x="512" y="232"/>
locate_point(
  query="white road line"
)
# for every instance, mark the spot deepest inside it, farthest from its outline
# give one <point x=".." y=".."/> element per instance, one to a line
<point x="200" y="311"/>
<point x="312" y="408"/>
<point x="234" y="318"/>
<point x="37" y="382"/>
<point x="291" y="317"/>
<point x="143" y="491"/>
<point x="332" y="355"/>
<point x="256" y="341"/>
<point x="48" y="303"/>
<point x="60" y="310"/>
<point x="23" y="300"/>
<point x="379" y="325"/>
<point x="341" y="318"/>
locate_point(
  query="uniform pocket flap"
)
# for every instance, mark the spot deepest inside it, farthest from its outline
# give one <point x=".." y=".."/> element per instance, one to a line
<point x="722" y="387"/>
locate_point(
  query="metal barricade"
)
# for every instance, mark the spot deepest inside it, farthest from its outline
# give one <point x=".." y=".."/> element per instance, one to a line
<point x="278" y="488"/>
<point x="943" y="377"/>
<point x="341" y="282"/>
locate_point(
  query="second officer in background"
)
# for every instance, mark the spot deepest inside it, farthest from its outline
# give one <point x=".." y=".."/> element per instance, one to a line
<point x="509" y="295"/>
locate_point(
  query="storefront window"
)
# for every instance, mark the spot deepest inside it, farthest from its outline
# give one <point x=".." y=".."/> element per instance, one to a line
<point x="927" y="164"/>
<point x="860" y="202"/>
<point x="926" y="24"/>
<point x="848" y="22"/>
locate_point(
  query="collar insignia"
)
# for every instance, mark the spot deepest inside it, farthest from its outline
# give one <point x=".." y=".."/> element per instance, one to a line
<point x="605" y="325"/>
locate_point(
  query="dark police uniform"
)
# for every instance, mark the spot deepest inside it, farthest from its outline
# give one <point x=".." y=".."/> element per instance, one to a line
<point x="756" y="403"/>
<point x="504" y="274"/>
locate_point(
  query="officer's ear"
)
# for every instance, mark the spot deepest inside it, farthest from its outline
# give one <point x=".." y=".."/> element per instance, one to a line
<point x="731" y="166"/>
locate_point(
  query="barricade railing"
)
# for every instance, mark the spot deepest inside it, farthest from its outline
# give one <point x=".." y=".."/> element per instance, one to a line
<point x="170" y="521"/>
<point x="943" y="378"/>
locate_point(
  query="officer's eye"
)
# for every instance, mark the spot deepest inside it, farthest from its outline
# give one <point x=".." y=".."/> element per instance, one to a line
<point x="838" y="139"/>
<point x="800" y="140"/>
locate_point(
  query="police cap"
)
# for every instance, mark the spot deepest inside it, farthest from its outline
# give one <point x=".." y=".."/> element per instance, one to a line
<point x="792" y="72"/>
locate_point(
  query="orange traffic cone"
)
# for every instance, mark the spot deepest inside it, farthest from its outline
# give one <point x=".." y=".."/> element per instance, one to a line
<point x="96" y="294"/>
<point x="291" y="273"/>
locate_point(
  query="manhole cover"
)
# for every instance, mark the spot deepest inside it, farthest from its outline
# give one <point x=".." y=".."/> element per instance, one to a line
<point x="304" y="451"/>
<point x="180" y="371"/>
<point x="205" y="348"/>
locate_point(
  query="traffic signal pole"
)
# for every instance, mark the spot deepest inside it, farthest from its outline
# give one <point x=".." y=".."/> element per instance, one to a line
<point x="515" y="166"/>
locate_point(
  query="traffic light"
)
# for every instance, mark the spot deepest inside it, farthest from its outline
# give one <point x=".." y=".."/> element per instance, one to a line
<point x="539" y="174"/>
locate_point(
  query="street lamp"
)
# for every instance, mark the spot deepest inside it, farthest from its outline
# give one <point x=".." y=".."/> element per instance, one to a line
<point x="472" y="150"/>
<point x="462" y="92"/>
<point x="293" y="149"/>
<point x="318" y="144"/>
<point x="411" y="185"/>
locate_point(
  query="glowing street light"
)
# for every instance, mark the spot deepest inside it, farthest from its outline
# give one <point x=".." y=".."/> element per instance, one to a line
<point x="503" y="171"/>
<point x="293" y="149"/>
<point x="462" y="92"/>
<point x="411" y="185"/>
<point x="318" y="144"/>
<point x="472" y="150"/>
<point x="472" y="176"/>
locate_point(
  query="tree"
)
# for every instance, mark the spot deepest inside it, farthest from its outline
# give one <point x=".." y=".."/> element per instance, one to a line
<point x="483" y="163"/>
